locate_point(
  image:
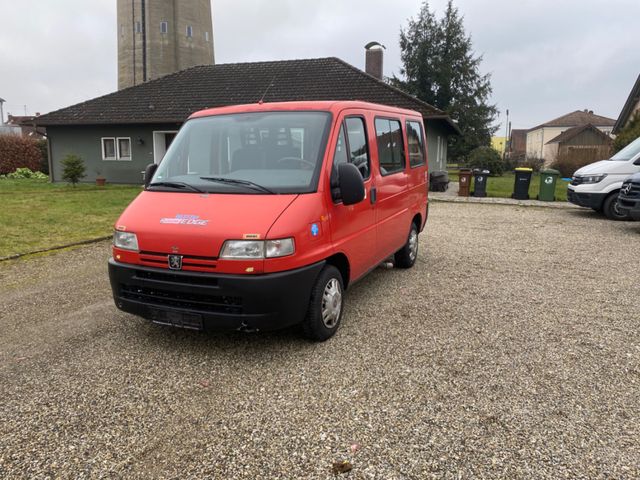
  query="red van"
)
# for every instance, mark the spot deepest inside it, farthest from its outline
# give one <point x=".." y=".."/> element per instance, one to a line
<point x="260" y="216"/>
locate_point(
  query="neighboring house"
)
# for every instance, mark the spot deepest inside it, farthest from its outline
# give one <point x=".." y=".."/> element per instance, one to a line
<point x="586" y="144"/>
<point x="121" y="133"/>
<point x="538" y="138"/>
<point x="518" y="144"/>
<point x="498" y="144"/>
<point x="631" y="107"/>
<point x="26" y="127"/>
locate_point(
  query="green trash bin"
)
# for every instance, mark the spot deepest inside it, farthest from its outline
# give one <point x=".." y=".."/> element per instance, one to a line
<point x="548" y="180"/>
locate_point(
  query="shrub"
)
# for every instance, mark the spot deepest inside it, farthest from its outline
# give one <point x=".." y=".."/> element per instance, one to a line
<point x="17" y="152"/>
<point x="629" y="134"/>
<point x="43" y="145"/>
<point x="531" y="162"/>
<point x="487" y="157"/>
<point x="73" y="169"/>
<point x="25" y="173"/>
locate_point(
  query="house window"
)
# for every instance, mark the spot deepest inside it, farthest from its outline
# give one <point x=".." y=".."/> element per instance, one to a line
<point x="124" y="149"/>
<point x="116" y="148"/>
<point x="206" y="37"/>
<point x="189" y="31"/>
<point x="138" y="27"/>
<point x="164" y="27"/>
<point x="122" y="30"/>
<point x="390" y="146"/>
<point x="108" y="148"/>
<point x="415" y="143"/>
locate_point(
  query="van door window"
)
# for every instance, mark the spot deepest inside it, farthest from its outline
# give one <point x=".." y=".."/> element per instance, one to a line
<point x="415" y="142"/>
<point x="340" y="156"/>
<point x="390" y="146"/>
<point x="358" y="150"/>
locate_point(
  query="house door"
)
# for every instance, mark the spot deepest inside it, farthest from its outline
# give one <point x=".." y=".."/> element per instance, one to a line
<point x="161" y="142"/>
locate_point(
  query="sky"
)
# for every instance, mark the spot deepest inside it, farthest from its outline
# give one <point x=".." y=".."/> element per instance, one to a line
<point x="546" y="57"/>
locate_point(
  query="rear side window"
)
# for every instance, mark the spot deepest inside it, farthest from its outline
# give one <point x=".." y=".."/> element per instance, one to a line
<point x="415" y="142"/>
<point x="390" y="145"/>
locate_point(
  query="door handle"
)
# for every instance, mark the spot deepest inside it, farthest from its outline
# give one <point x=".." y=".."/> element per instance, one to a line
<point x="373" y="195"/>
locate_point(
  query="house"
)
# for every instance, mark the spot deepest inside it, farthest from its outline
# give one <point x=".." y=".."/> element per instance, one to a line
<point x="25" y="125"/>
<point x="119" y="134"/>
<point x="631" y="108"/>
<point x="518" y="144"/>
<point x="538" y="138"/>
<point x="498" y="144"/>
<point x="585" y="144"/>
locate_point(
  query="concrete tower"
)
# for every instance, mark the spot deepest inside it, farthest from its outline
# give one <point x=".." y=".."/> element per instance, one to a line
<point x="158" y="37"/>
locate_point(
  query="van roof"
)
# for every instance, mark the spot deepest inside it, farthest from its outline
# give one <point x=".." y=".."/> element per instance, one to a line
<point x="333" y="106"/>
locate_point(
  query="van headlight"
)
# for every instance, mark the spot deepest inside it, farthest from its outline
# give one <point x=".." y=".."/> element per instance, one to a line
<point x="125" y="240"/>
<point x="592" y="178"/>
<point x="257" y="249"/>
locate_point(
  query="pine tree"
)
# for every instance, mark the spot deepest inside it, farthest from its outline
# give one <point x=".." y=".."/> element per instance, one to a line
<point x="440" y="68"/>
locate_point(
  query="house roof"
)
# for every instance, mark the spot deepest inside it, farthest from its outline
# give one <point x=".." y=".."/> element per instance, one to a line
<point x="172" y="98"/>
<point x="627" y="109"/>
<point x="579" y="117"/>
<point x="575" y="131"/>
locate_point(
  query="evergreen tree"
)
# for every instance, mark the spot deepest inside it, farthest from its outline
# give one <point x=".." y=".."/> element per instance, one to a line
<point x="440" y="68"/>
<point x="628" y="134"/>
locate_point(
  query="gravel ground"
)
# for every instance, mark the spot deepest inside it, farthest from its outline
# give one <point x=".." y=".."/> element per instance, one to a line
<point x="510" y="350"/>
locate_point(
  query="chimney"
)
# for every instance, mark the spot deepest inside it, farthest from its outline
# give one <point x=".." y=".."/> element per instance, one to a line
<point x="374" y="59"/>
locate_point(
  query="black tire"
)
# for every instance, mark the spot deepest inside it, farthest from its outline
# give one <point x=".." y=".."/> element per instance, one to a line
<point x="318" y="325"/>
<point x="406" y="257"/>
<point x="610" y="208"/>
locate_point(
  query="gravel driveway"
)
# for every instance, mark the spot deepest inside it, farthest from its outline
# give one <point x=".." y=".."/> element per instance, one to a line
<point x="512" y="349"/>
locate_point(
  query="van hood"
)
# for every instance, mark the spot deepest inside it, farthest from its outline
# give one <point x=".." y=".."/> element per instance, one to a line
<point x="611" y="167"/>
<point x="198" y="224"/>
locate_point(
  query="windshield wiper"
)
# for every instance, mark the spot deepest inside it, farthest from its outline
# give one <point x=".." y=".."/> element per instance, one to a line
<point x="246" y="183"/>
<point x="179" y="185"/>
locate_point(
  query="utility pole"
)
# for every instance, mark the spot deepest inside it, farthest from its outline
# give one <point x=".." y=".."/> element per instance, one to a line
<point x="2" y="100"/>
<point x="506" y="136"/>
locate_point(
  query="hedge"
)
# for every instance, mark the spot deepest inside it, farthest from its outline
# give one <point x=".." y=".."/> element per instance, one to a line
<point x="17" y="152"/>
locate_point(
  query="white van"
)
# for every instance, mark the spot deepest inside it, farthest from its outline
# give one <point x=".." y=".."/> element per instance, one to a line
<point x="597" y="185"/>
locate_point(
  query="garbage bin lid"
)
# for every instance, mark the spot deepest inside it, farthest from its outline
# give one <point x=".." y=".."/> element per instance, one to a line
<point x="550" y="171"/>
<point x="524" y="169"/>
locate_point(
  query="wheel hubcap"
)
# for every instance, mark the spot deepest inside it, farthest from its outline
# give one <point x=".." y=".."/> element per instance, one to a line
<point x="331" y="303"/>
<point x="413" y="245"/>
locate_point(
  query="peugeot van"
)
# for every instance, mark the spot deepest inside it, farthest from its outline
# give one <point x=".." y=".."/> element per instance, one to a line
<point x="598" y="184"/>
<point x="261" y="216"/>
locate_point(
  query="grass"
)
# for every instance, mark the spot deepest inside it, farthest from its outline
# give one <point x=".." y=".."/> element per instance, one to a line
<point x="36" y="214"/>
<point x="503" y="186"/>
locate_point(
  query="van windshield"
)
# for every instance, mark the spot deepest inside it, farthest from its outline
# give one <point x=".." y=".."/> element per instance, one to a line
<point x="250" y="153"/>
<point x="628" y="152"/>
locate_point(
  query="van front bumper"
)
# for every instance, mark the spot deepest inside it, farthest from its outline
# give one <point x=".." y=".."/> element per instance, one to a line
<point x="203" y="301"/>
<point x="629" y="206"/>
<point x="586" y="199"/>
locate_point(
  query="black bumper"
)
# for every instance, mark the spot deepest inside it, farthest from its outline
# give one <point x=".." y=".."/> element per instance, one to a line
<point x="589" y="200"/>
<point x="203" y="301"/>
<point x="629" y="206"/>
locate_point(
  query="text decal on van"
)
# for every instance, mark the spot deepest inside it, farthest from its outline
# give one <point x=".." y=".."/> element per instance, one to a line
<point x="185" y="220"/>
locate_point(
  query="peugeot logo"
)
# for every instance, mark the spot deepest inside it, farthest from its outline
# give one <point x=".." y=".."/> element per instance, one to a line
<point x="175" y="262"/>
<point x="626" y="189"/>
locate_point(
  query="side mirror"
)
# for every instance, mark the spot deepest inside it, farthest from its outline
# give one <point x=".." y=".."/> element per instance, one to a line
<point x="351" y="184"/>
<point x="149" y="172"/>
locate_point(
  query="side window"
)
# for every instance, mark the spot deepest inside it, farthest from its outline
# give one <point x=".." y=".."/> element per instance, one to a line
<point x="340" y="156"/>
<point x="415" y="142"/>
<point x="390" y="145"/>
<point x="358" y="150"/>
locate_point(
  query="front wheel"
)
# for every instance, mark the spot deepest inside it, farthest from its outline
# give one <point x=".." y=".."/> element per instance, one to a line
<point x="610" y="208"/>
<point x="325" y="306"/>
<point x="407" y="255"/>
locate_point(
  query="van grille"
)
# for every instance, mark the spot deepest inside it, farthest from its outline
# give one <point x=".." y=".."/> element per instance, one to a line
<point x="634" y="192"/>
<point x="188" y="301"/>
<point x="189" y="262"/>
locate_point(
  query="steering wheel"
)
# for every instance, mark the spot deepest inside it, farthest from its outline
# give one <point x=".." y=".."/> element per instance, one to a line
<point x="297" y="159"/>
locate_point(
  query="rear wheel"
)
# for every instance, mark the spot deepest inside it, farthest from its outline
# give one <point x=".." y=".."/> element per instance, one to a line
<point x="325" y="306"/>
<point x="610" y="208"/>
<point x="407" y="255"/>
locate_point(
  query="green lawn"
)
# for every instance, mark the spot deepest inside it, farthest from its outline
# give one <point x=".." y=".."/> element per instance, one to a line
<point x="503" y="186"/>
<point x="36" y="214"/>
